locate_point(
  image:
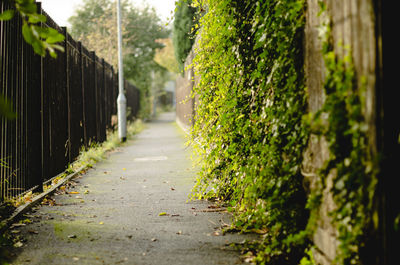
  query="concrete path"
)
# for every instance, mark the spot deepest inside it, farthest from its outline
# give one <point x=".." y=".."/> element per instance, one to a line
<point x="115" y="218"/>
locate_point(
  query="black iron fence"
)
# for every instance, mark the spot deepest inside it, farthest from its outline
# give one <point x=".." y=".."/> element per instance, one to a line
<point x="62" y="104"/>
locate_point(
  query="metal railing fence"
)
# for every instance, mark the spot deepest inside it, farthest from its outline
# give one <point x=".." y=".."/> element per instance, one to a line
<point x="61" y="104"/>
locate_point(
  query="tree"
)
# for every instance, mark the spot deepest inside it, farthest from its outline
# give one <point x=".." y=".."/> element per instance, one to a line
<point x="95" y="25"/>
<point x="184" y="30"/>
<point x="166" y="57"/>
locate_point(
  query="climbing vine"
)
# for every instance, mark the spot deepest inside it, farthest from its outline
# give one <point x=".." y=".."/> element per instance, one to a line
<point x="248" y="128"/>
<point x="354" y="181"/>
<point x="252" y="129"/>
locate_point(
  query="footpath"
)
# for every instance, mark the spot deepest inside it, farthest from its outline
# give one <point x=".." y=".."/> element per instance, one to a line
<point x="131" y="208"/>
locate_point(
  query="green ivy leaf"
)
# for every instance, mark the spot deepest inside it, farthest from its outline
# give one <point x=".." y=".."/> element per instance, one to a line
<point x="54" y="36"/>
<point x="7" y="15"/>
<point x="26" y="7"/>
<point x="27" y="33"/>
<point x="36" y="18"/>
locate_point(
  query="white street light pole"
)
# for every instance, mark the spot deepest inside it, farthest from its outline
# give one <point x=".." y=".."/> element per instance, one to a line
<point x="121" y="100"/>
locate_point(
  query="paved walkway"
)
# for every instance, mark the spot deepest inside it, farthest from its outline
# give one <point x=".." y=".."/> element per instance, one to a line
<point x="115" y="217"/>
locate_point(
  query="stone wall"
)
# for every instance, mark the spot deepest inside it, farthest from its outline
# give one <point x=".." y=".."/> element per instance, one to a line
<point x="353" y="25"/>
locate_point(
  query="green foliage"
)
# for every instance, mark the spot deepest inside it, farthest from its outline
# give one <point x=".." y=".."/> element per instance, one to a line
<point x="355" y="180"/>
<point x="249" y="130"/>
<point x="95" y="25"/>
<point x="309" y="259"/>
<point x="184" y="30"/>
<point x="251" y="133"/>
<point x="84" y="20"/>
<point x="42" y="39"/>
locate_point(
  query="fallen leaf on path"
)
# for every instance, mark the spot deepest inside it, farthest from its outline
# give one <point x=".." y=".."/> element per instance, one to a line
<point x="86" y="192"/>
<point x="26" y="221"/>
<point x="122" y="178"/>
<point x="18" y="244"/>
<point x="213" y="210"/>
<point x="123" y="168"/>
<point x="172" y="188"/>
<point x="162" y="214"/>
<point x="216" y="233"/>
<point x="101" y="223"/>
<point x="17" y="225"/>
<point x="75" y="258"/>
<point x="179" y="232"/>
<point x="248" y="257"/>
<point x="154" y="239"/>
<point x="71" y="236"/>
<point x="174" y="215"/>
<point x="73" y="192"/>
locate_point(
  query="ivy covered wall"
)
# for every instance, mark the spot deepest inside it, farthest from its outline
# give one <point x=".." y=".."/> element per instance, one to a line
<point x="286" y="125"/>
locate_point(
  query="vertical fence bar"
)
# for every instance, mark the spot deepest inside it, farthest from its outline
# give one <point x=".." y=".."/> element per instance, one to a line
<point x="68" y="95"/>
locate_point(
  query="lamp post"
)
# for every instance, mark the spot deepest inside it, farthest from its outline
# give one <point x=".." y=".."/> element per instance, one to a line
<point x="121" y="100"/>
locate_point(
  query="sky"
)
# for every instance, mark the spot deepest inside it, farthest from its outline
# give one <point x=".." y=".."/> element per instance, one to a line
<point x="61" y="10"/>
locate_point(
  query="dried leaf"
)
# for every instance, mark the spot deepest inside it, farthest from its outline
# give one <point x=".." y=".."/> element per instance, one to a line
<point x="162" y="214"/>
<point x="73" y="192"/>
<point x="216" y="233"/>
<point x="18" y="244"/>
<point x="17" y="225"/>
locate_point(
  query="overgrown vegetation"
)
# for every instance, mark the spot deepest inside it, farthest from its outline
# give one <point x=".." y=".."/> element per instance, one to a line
<point x="184" y="30"/>
<point x="355" y="167"/>
<point x="252" y="128"/>
<point x="249" y="128"/>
